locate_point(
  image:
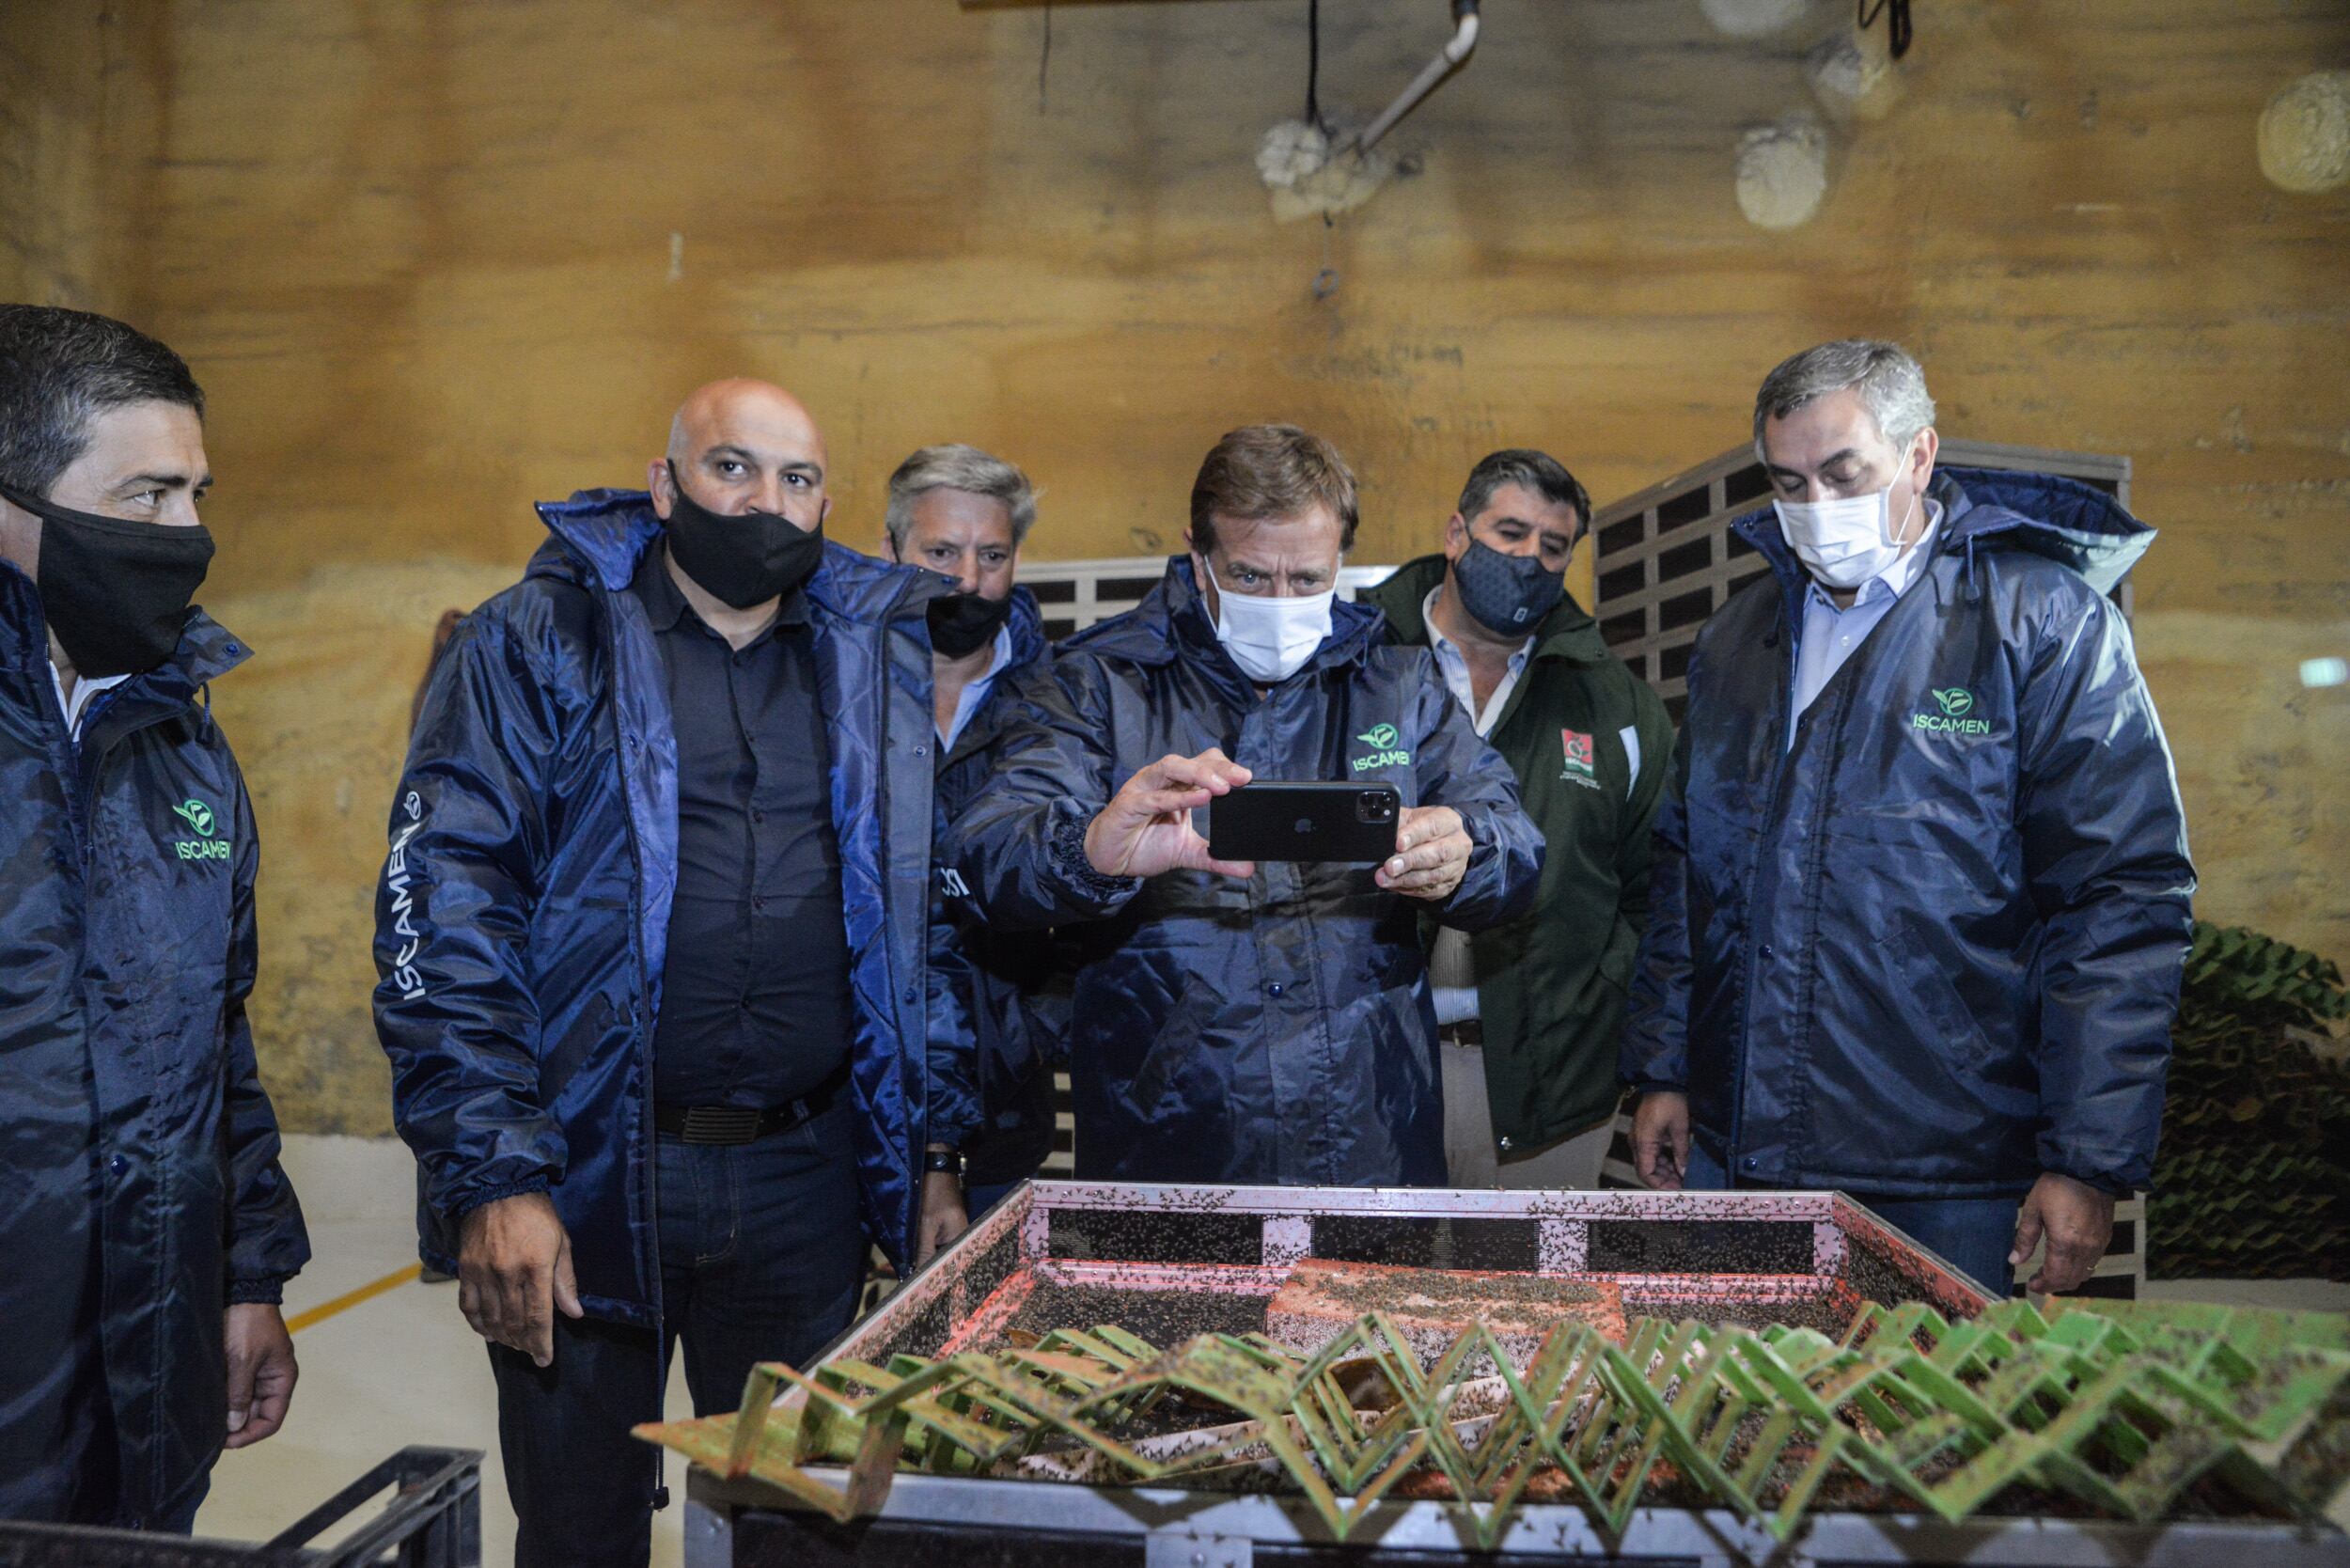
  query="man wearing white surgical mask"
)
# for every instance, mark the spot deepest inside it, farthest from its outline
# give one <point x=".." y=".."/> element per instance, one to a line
<point x="1919" y="899"/>
<point x="1236" y="1021"/>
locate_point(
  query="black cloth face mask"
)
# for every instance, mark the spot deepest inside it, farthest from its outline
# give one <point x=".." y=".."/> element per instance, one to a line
<point x="743" y="560"/>
<point x="1507" y="594"/>
<point x="962" y="623"/>
<point x="115" y="592"/>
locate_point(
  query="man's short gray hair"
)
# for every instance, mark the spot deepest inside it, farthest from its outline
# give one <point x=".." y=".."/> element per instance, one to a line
<point x="1890" y="385"/>
<point x="956" y="466"/>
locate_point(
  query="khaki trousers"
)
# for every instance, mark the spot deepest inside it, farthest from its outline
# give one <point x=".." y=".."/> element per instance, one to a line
<point x="1472" y="1160"/>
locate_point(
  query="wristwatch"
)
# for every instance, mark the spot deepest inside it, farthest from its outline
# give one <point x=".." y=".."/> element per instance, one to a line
<point x="942" y="1162"/>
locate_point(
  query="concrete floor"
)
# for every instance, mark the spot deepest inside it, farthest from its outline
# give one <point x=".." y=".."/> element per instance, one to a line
<point x="399" y="1368"/>
<point x="403" y="1367"/>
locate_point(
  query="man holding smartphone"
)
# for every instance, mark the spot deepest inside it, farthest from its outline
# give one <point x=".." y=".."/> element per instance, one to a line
<point x="1238" y="1022"/>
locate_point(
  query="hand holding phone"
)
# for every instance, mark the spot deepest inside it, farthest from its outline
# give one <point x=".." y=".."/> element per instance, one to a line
<point x="1431" y="855"/>
<point x="1145" y="828"/>
<point x="1274" y="820"/>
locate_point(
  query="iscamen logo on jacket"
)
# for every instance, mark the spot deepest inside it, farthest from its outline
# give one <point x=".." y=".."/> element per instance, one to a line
<point x="204" y="846"/>
<point x="1956" y="704"/>
<point x="1385" y="753"/>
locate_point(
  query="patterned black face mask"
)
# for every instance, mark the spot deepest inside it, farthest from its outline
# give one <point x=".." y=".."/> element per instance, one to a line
<point x="1507" y="594"/>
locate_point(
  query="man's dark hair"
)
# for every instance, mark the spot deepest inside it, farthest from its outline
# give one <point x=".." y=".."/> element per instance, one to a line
<point x="1539" y="471"/>
<point x="61" y="368"/>
<point x="1260" y="471"/>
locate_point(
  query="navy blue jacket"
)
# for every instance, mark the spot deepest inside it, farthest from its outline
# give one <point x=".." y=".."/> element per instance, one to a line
<point x="1276" y="1029"/>
<point x="996" y="1025"/>
<point x="1933" y="948"/>
<point x="140" y="1192"/>
<point x="524" y="914"/>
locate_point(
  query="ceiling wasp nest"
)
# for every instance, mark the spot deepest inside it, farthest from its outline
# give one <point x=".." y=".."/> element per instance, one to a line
<point x="1317" y="170"/>
<point x="1782" y="172"/>
<point x="2305" y="133"/>
<point x="1853" y="75"/>
<point x="1755" y="18"/>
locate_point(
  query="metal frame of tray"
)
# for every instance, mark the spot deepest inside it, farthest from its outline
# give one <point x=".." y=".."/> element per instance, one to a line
<point x="1040" y="1232"/>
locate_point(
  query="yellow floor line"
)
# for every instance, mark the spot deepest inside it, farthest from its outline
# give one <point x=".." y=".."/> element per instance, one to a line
<point x="369" y="1291"/>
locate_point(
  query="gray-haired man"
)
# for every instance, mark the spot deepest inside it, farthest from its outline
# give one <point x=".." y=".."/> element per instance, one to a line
<point x="1920" y="896"/>
<point x="994" y="1032"/>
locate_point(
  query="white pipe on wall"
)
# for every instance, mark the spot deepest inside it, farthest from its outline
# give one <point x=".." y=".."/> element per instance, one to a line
<point x="1451" y="54"/>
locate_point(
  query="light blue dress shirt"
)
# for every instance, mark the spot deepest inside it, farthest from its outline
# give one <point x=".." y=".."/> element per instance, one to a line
<point x="1449" y="963"/>
<point x="1829" y="635"/>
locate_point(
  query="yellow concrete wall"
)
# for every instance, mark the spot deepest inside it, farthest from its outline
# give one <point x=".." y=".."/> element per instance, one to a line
<point x="435" y="259"/>
<point x="78" y="134"/>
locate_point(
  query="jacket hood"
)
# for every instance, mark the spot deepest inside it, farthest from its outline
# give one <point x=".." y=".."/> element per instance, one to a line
<point x="2064" y="520"/>
<point x="1173" y="619"/>
<point x="600" y="535"/>
<point x="1567" y="633"/>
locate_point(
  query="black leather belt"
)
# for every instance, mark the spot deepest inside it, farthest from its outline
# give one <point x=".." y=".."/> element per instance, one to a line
<point x="1467" y="1031"/>
<point x="742" y="1123"/>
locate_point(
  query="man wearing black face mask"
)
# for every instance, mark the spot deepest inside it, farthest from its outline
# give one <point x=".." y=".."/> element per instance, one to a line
<point x="650" y="967"/>
<point x="1529" y="1014"/>
<point x="995" y="1029"/>
<point x="147" y="1230"/>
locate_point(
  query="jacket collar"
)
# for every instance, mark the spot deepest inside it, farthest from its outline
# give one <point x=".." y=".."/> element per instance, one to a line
<point x="665" y="604"/>
<point x="1172" y="622"/>
<point x="1026" y="625"/>
<point x="207" y="648"/>
<point x="1568" y="632"/>
<point x="600" y="535"/>
<point x="2048" y="515"/>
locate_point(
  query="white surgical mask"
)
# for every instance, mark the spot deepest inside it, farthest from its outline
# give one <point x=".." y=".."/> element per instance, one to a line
<point x="1270" y="639"/>
<point x="1845" y="542"/>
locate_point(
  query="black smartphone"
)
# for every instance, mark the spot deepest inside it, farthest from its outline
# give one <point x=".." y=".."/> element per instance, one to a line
<point x="1304" y="821"/>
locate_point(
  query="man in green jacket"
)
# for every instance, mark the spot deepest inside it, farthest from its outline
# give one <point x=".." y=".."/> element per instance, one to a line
<point x="1528" y="1013"/>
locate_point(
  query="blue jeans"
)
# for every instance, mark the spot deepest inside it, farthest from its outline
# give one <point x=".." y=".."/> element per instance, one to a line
<point x="1973" y="1236"/>
<point x="762" y="1255"/>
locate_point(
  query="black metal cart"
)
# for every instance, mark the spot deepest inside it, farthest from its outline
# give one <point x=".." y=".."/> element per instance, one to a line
<point x="431" y="1520"/>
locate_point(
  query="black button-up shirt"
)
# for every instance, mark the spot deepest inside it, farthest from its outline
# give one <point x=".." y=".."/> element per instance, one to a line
<point x="755" y="988"/>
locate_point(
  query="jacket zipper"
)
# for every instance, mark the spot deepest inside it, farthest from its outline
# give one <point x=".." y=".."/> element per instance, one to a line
<point x="88" y="804"/>
<point x="644" y="1009"/>
<point x="1780" y="717"/>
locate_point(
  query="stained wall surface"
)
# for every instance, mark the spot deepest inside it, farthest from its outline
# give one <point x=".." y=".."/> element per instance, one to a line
<point x="434" y="260"/>
<point x="78" y="136"/>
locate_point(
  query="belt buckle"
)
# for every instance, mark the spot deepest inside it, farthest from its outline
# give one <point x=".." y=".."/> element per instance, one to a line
<point x="720" y="1124"/>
